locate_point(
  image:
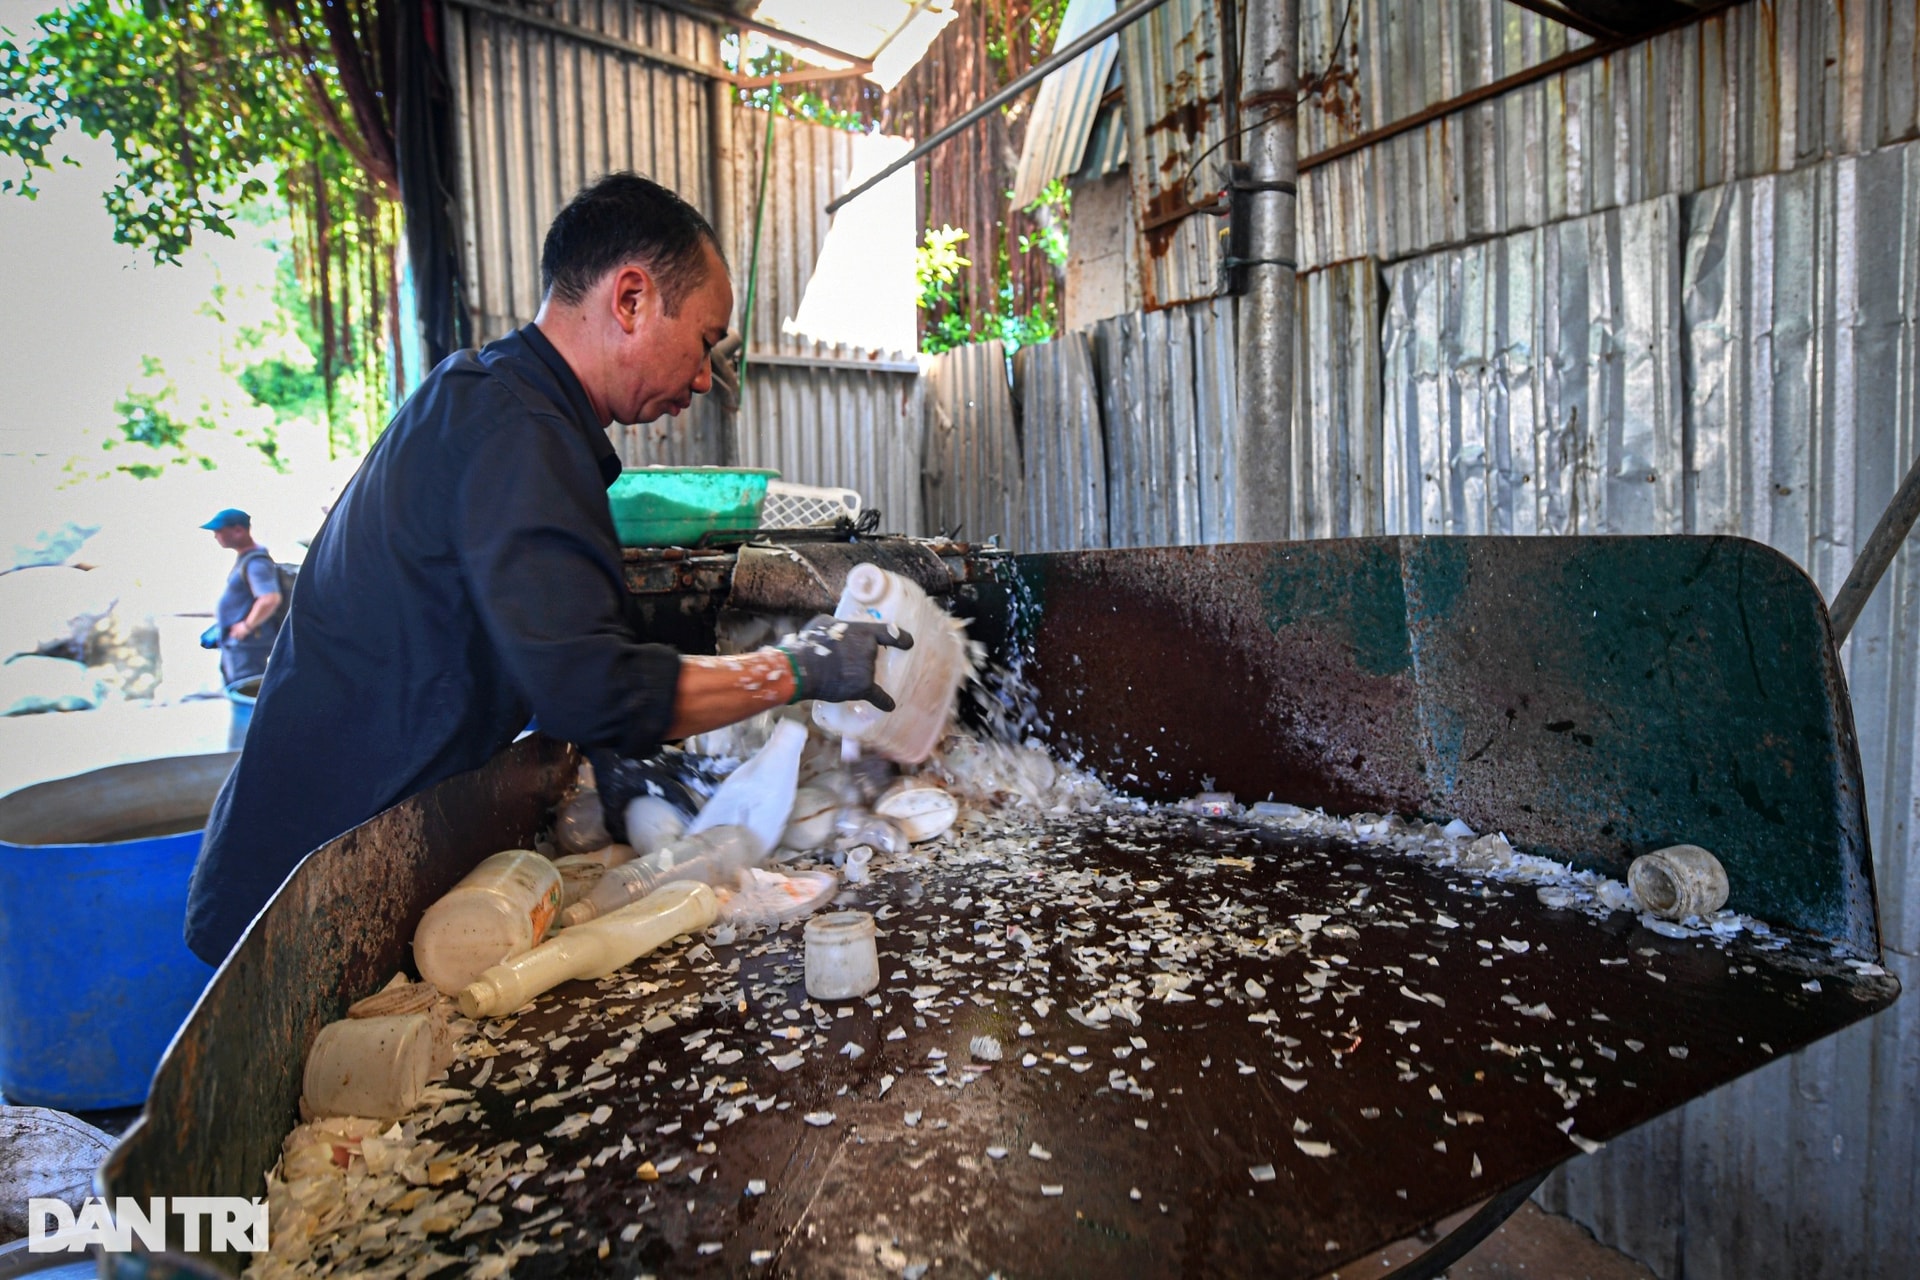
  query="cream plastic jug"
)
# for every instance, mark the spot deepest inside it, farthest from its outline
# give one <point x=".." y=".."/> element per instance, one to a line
<point x="503" y="907"/>
<point x="592" y="950"/>
<point x="375" y="1067"/>
<point x="923" y="681"/>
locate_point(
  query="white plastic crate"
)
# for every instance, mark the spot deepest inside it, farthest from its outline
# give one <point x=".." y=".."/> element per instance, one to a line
<point x="802" y="506"/>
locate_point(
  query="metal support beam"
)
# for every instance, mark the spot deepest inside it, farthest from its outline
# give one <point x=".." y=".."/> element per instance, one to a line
<point x="1263" y="497"/>
<point x="1555" y="13"/>
<point x="645" y="53"/>
<point x="1061" y="57"/>
<point x="1882" y="545"/>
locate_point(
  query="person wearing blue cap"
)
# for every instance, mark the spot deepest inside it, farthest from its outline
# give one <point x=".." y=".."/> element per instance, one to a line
<point x="247" y="618"/>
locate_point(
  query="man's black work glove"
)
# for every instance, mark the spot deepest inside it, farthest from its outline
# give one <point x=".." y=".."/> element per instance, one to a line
<point x="833" y="659"/>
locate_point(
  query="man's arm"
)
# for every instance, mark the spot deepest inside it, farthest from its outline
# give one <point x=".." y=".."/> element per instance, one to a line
<point x="720" y="691"/>
<point x="263" y="607"/>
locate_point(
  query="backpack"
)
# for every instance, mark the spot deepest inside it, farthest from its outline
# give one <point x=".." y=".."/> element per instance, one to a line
<point x="285" y="575"/>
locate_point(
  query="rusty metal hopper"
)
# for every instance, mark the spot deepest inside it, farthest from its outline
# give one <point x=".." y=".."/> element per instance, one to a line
<point x="1444" y="1037"/>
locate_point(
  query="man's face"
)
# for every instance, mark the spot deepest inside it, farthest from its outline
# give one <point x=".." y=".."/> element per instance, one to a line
<point x="664" y="361"/>
<point x="231" y="536"/>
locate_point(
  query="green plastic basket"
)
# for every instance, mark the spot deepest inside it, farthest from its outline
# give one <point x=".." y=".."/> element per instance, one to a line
<point x="674" y="506"/>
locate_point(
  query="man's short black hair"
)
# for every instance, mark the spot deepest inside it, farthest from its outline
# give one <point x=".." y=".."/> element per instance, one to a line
<point x="620" y="219"/>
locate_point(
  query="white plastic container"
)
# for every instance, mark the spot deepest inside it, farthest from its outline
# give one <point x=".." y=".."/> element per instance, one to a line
<point x="921" y="809"/>
<point x="843" y="962"/>
<point x="1677" y="882"/>
<point x="759" y="794"/>
<point x="374" y="1067"/>
<point x="503" y="907"/>
<point x="592" y="950"/>
<point x="923" y="681"/>
<point x="810" y="825"/>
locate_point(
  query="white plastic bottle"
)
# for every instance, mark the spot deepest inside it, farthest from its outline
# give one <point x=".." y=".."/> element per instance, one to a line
<point x="759" y="794"/>
<point x="592" y="950"/>
<point x="501" y="908"/>
<point x="715" y="857"/>
<point x="923" y="681"/>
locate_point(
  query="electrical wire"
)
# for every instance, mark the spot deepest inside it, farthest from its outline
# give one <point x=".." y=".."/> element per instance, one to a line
<point x="1333" y="55"/>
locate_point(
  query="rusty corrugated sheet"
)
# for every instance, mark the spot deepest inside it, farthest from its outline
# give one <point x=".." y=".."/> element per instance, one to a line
<point x="1759" y="88"/>
<point x="973" y="474"/>
<point x="1057" y="393"/>
<point x="1177" y="108"/>
<point x="1062" y="117"/>
<point x="1396" y="59"/>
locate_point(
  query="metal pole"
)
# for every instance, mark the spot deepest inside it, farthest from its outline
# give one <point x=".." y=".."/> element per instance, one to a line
<point x="726" y="215"/>
<point x="1895" y="523"/>
<point x="1263" y="492"/>
<point x="1125" y="18"/>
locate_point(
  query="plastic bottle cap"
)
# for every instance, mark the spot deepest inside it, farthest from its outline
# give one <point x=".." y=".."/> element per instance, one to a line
<point x="867" y="583"/>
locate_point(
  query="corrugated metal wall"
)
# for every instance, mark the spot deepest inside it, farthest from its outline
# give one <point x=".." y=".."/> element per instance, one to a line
<point x="1764" y="87"/>
<point x="1063" y="444"/>
<point x="811" y="410"/>
<point x="1744" y="360"/>
<point x="1338" y="441"/>
<point x="1119" y="434"/>
<point x="541" y="113"/>
<point x="973" y="474"/>
<point x="1175" y="74"/>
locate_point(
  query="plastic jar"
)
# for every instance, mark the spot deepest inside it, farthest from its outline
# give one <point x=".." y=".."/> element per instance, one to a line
<point x="842" y="960"/>
<point x="375" y="1067"/>
<point x="501" y="908"/>
<point x="1680" y="881"/>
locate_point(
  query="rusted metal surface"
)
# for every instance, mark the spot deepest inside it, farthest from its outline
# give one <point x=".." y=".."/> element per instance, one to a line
<point x="339" y="928"/>
<point x="1177" y="70"/>
<point x="1440" y="1066"/>
<point x="1593" y="698"/>
<point x="807" y="578"/>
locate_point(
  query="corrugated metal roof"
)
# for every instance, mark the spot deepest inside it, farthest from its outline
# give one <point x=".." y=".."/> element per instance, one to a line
<point x="1106" y="143"/>
<point x="1068" y="100"/>
<point x="1176" y="109"/>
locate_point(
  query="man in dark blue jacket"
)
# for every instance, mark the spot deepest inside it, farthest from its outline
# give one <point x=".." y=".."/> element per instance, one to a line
<point x="469" y="577"/>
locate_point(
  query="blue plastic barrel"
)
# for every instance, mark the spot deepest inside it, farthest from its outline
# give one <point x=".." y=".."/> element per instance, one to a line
<point x="95" y="976"/>
<point x="242" y="694"/>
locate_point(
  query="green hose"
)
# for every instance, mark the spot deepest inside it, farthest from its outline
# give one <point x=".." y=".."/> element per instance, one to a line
<point x="753" y="256"/>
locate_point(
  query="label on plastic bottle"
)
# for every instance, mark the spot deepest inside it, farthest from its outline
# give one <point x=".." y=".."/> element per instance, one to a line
<point x="543" y="913"/>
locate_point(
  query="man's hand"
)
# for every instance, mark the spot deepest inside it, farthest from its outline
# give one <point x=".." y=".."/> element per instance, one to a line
<point x="833" y="659"/>
<point x="239" y="631"/>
